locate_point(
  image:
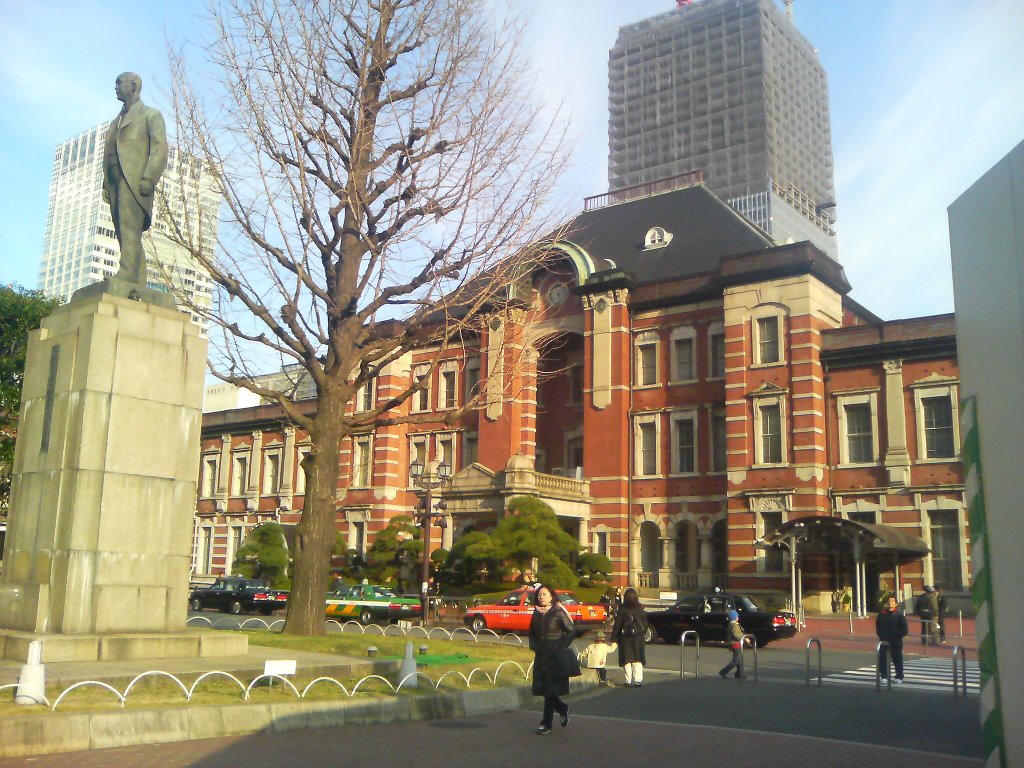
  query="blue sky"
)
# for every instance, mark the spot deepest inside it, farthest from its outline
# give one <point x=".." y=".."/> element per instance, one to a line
<point x="925" y="97"/>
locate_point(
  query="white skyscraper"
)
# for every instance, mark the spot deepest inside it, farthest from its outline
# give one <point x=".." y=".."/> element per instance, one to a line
<point x="80" y="247"/>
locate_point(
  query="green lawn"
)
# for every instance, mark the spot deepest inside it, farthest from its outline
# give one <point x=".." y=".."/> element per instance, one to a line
<point x="442" y="655"/>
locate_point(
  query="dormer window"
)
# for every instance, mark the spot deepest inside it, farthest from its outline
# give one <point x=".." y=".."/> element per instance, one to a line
<point x="656" y="238"/>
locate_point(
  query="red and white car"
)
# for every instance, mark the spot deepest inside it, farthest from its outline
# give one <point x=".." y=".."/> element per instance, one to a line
<point x="513" y="612"/>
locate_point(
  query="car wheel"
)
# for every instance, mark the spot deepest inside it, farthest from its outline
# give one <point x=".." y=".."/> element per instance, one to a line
<point x="760" y="641"/>
<point x="650" y="635"/>
<point x="235" y="609"/>
<point x="479" y="624"/>
<point x="366" y="617"/>
<point x="197" y="604"/>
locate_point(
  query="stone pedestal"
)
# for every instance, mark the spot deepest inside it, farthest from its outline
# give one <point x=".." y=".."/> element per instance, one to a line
<point x="104" y="483"/>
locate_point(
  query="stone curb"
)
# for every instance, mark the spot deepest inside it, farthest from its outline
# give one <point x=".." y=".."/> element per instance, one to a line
<point x="73" y="732"/>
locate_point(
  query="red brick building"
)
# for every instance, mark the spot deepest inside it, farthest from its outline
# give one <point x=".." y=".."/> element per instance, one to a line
<point x="676" y="386"/>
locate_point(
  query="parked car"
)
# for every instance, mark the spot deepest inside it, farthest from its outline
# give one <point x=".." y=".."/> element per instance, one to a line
<point x="370" y="603"/>
<point x="235" y="595"/>
<point x="512" y="612"/>
<point x="706" y="614"/>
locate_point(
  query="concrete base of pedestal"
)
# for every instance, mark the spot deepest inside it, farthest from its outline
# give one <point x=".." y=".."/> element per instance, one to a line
<point x="122" y="647"/>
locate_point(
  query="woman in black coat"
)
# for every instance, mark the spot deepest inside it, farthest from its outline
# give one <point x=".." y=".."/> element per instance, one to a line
<point x="628" y="631"/>
<point x="551" y="631"/>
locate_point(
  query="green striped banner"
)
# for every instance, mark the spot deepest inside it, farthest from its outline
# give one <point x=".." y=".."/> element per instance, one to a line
<point x="991" y="700"/>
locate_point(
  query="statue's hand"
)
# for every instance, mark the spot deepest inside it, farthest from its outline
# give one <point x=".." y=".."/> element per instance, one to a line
<point x="146" y="187"/>
<point x="106" y="197"/>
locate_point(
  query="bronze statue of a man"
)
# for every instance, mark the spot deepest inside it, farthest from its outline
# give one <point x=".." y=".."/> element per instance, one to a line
<point x="133" y="161"/>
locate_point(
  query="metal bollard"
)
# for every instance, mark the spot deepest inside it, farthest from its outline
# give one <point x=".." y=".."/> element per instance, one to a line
<point x="959" y="651"/>
<point x="807" y="662"/>
<point x="851" y="621"/>
<point x="682" y="654"/>
<point x="888" y="666"/>
<point x="961" y="624"/>
<point x="753" y="644"/>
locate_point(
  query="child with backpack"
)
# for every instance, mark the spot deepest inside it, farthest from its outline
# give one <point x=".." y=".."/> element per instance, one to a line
<point x="734" y="636"/>
<point x="595" y="656"/>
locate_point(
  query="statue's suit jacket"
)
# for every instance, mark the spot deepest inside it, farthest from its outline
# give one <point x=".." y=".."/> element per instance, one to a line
<point x="141" y="142"/>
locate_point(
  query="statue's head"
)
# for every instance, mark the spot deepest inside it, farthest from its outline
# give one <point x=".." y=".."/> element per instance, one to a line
<point x="127" y="85"/>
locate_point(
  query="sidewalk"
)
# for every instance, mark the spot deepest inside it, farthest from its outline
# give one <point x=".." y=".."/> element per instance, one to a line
<point x="834" y="633"/>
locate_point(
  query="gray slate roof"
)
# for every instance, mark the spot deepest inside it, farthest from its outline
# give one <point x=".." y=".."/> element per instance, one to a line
<point x="704" y="230"/>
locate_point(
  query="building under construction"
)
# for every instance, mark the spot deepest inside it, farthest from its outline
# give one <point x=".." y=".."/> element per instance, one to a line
<point x="730" y="88"/>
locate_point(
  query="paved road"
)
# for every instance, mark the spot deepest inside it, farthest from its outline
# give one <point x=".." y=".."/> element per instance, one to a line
<point x="708" y="722"/>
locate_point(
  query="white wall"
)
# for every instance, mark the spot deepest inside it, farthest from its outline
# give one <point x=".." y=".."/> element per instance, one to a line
<point x="986" y="232"/>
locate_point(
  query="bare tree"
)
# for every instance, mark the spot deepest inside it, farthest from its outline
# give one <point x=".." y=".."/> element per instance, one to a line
<point x="381" y="160"/>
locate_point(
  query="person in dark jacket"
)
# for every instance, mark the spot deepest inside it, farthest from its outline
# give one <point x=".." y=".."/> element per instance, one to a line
<point x="940" y="615"/>
<point x="926" y="606"/>
<point x="551" y="630"/>
<point x="628" y="632"/>
<point x="891" y="626"/>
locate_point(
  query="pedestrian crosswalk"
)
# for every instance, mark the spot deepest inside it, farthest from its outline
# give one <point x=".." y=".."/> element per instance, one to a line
<point x="927" y="674"/>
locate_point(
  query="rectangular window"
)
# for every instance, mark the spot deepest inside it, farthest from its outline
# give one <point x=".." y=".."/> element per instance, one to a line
<point x="938" y="427"/>
<point x="360" y="462"/>
<point x="300" y="472"/>
<point x="271" y="472"/>
<point x="576" y="384"/>
<point x="448" y="383"/>
<point x="648" y="449"/>
<point x="685" y="444"/>
<point x="683" y="350"/>
<point x="719" y="457"/>
<point x="647" y="364"/>
<point x="364" y="397"/>
<point x="209" y="477"/>
<point x="236" y="536"/>
<point x="205" y="564"/>
<point x="417" y="452"/>
<point x="944" y="525"/>
<point x="717" y="344"/>
<point x="446" y="450"/>
<point x="472" y="379"/>
<point x="859" y="439"/>
<point x="421" y="397"/>
<point x="768" y="339"/>
<point x="239" y="474"/>
<point x="862" y="517"/>
<point x="771" y="433"/>
<point x="773" y="557"/>
<point x="601" y="543"/>
<point x="574" y="453"/>
<point x="470" y="448"/>
<point x="358" y="538"/>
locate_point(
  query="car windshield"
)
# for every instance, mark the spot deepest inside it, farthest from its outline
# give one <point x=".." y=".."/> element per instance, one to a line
<point x="568" y="598"/>
<point x="746" y="604"/>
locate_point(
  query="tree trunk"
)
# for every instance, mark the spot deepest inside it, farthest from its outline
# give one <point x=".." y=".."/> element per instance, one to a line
<point x="315" y="535"/>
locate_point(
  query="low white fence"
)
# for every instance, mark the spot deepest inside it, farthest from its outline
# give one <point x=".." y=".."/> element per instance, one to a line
<point x="245" y="690"/>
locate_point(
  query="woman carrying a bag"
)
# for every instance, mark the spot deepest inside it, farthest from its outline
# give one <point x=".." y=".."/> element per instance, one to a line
<point x="554" y="662"/>
<point x="628" y="631"/>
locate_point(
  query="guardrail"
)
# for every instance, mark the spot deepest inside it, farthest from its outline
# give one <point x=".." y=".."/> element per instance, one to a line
<point x="753" y="644"/>
<point x="882" y="644"/>
<point x="682" y="653"/>
<point x="807" y="661"/>
<point x="958" y="651"/>
<point x="189" y="691"/>
<point x="386" y="630"/>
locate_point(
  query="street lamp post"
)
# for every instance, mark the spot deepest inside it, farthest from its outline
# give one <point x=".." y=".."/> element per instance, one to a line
<point x="428" y="477"/>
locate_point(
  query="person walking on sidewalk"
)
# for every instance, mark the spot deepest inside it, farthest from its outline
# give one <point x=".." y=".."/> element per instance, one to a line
<point x="891" y="626"/>
<point x="596" y="656"/>
<point x="628" y="633"/>
<point x="927" y="606"/>
<point x="734" y="636"/>
<point x="941" y="608"/>
<point x="554" y="662"/>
